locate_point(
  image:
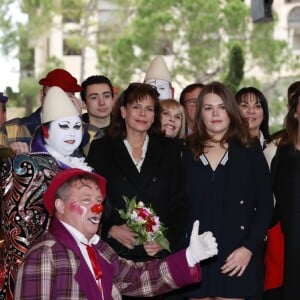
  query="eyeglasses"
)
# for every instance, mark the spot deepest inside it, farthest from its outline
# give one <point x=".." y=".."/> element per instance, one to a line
<point x="191" y="102"/>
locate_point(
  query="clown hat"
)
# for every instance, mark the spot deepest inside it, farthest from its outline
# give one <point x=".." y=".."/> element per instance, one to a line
<point x="158" y="69"/>
<point x="57" y="105"/>
<point x="62" y="79"/>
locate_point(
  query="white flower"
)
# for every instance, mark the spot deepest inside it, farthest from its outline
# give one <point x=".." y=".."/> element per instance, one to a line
<point x="156" y="227"/>
<point x="141" y="204"/>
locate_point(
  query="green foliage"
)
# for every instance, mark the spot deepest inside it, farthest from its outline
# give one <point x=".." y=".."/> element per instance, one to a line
<point x="267" y="52"/>
<point x="236" y="68"/>
<point x="200" y="36"/>
<point x="117" y="64"/>
<point x="12" y="96"/>
<point x="28" y="93"/>
<point x="52" y="63"/>
<point x="72" y="10"/>
<point x="22" y="33"/>
<point x="236" y="17"/>
<point x="277" y="111"/>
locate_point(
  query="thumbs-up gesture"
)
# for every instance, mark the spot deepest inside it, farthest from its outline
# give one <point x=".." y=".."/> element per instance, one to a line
<point x="202" y="246"/>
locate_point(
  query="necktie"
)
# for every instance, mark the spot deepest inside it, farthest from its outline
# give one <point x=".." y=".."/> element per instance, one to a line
<point x="94" y="261"/>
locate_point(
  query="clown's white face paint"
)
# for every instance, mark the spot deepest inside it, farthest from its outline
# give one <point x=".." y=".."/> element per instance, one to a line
<point x="65" y="135"/>
<point x="163" y="87"/>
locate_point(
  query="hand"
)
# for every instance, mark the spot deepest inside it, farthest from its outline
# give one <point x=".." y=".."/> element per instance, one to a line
<point x="19" y="147"/>
<point x="237" y="262"/>
<point x="152" y="248"/>
<point x="123" y="235"/>
<point x="201" y="246"/>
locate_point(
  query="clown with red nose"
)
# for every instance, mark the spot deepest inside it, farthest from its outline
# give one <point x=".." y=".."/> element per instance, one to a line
<point x="70" y="261"/>
<point x="82" y="205"/>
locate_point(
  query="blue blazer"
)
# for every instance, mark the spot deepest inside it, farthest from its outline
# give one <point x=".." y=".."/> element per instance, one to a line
<point x="247" y="211"/>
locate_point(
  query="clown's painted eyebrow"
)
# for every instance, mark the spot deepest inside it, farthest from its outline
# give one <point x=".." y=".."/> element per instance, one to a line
<point x="85" y="185"/>
<point x="66" y="124"/>
<point x="79" y="185"/>
<point x="87" y="194"/>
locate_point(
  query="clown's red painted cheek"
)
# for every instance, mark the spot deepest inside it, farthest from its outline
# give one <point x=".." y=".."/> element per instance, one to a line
<point x="76" y="208"/>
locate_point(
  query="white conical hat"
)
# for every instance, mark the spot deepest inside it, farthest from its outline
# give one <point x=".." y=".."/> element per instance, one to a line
<point x="158" y="69"/>
<point x="57" y="104"/>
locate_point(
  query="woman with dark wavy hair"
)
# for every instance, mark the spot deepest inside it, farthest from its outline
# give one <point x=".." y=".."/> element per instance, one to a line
<point x="253" y="107"/>
<point x="229" y="191"/>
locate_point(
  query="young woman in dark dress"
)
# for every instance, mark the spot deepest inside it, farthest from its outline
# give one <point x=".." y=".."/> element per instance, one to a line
<point x="229" y="190"/>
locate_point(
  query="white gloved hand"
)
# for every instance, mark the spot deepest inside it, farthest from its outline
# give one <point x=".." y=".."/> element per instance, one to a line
<point x="201" y="246"/>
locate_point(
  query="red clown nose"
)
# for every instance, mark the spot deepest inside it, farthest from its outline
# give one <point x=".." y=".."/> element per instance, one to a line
<point x="97" y="208"/>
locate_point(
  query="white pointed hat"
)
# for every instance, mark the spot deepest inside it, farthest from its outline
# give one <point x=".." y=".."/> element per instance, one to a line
<point x="57" y="104"/>
<point x="158" y="69"/>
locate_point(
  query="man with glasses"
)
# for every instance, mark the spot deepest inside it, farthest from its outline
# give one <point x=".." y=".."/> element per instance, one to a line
<point x="188" y="99"/>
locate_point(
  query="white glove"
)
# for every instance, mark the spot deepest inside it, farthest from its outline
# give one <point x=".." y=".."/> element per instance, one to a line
<point x="201" y="246"/>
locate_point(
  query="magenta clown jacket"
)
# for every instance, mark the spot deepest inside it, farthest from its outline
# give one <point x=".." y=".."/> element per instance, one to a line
<point x="54" y="268"/>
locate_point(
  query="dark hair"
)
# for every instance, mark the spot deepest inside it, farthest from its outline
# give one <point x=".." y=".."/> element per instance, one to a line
<point x="237" y="129"/>
<point x="188" y="89"/>
<point x="293" y="87"/>
<point x="242" y="94"/>
<point x="290" y="134"/>
<point x="95" y="79"/>
<point x="135" y="92"/>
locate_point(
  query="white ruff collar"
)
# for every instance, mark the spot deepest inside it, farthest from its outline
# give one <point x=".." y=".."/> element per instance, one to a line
<point x="71" y="161"/>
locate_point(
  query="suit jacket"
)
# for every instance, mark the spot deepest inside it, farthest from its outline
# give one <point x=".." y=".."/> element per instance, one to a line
<point x="54" y="268"/>
<point x="246" y="214"/>
<point x="92" y="132"/>
<point x="20" y="129"/>
<point x="159" y="184"/>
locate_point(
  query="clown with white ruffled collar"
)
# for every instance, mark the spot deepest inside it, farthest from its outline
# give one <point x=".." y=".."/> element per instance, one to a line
<point x="61" y="131"/>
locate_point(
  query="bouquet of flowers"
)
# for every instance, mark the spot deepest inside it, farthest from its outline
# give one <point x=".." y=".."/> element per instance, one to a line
<point x="144" y="222"/>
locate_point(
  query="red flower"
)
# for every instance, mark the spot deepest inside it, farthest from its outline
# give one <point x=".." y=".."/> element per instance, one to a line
<point x="150" y="223"/>
<point x="143" y="213"/>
